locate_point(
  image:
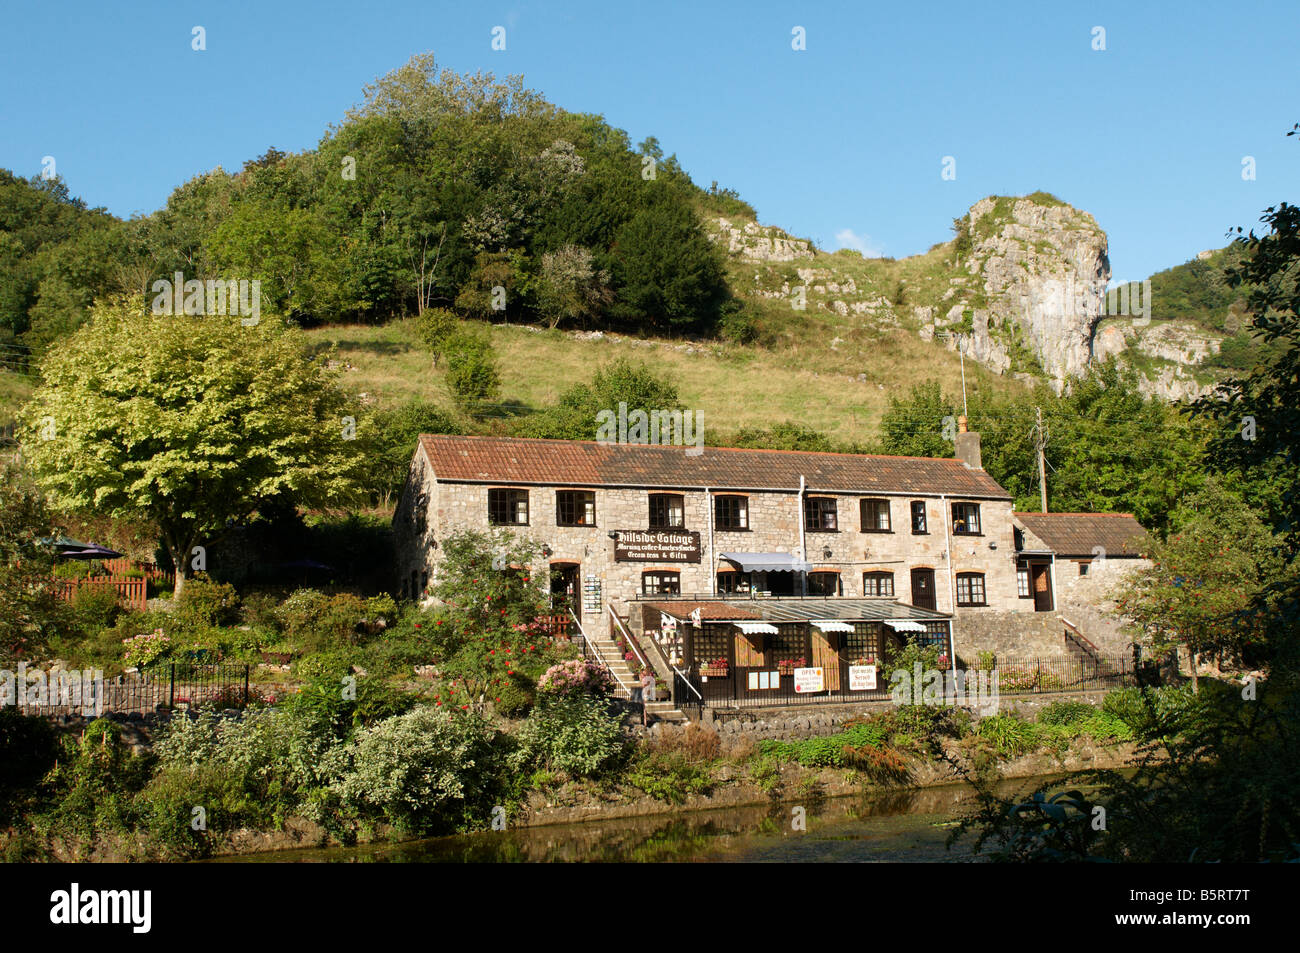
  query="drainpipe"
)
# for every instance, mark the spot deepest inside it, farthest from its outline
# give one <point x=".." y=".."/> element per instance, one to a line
<point x="803" y="546"/>
<point x="713" y="563"/>
<point x="952" y="589"/>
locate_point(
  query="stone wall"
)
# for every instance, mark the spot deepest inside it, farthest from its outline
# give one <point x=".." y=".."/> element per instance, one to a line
<point x="1086" y="601"/>
<point x="1019" y="635"/>
<point x="774" y="526"/>
<point x="793" y="724"/>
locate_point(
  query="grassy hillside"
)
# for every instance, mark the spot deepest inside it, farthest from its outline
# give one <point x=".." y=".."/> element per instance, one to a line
<point x="731" y="386"/>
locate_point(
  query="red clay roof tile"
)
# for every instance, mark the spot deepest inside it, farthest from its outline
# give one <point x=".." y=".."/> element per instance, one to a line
<point x="587" y="463"/>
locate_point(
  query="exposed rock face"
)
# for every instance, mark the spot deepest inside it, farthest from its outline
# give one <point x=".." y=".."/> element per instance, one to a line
<point x="1037" y="282"/>
<point x="1026" y="298"/>
<point x="754" y="242"/>
<point x="1172" y="346"/>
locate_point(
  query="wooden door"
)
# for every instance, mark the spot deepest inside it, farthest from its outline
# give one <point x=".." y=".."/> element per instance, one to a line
<point x="923" y="589"/>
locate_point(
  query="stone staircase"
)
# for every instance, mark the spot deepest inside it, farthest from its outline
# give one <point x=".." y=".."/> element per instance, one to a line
<point x="608" y="651"/>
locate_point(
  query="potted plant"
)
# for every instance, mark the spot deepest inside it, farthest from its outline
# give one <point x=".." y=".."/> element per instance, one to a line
<point x="787" y="666"/>
<point x="717" y="668"/>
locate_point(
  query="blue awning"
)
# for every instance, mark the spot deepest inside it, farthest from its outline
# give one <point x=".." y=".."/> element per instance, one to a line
<point x="766" y="562"/>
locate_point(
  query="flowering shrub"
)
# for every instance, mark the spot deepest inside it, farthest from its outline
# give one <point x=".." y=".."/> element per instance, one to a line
<point x="420" y="771"/>
<point x="142" y="650"/>
<point x="576" y="677"/>
<point x="575" y="734"/>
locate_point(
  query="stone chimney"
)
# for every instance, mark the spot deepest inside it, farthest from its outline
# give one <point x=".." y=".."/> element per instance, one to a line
<point x="967" y="445"/>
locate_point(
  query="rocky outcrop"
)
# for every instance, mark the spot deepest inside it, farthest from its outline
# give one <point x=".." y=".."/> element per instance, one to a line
<point x="1033" y="290"/>
<point x="754" y="242"/>
<point x="1022" y="291"/>
<point x="1165" y="352"/>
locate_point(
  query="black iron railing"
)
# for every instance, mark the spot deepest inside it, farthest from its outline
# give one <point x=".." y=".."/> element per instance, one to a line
<point x="157" y="688"/>
<point x="771" y="686"/>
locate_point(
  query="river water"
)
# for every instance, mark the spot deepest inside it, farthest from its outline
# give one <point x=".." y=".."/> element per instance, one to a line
<point x="878" y="827"/>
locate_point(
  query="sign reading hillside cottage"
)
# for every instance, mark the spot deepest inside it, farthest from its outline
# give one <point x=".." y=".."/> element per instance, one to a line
<point x="657" y="545"/>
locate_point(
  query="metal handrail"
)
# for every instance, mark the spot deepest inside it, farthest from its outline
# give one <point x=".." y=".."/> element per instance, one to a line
<point x="599" y="658"/>
<point x="632" y="642"/>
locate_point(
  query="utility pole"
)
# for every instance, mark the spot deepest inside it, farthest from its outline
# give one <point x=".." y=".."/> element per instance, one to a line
<point x="1040" y="444"/>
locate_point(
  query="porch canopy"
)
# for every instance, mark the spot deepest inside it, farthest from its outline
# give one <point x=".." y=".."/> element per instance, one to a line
<point x="831" y="625"/>
<point x="828" y="614"/>
<point x="904" y="625"/>
<point x="757" y="628"/>
<point x="766" y="562"/>
<point x="824" y="611"/>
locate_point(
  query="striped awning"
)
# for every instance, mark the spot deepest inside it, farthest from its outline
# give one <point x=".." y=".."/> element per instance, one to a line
<point x="830" y="625"/>
<point x="757" y="628"/>
<point x="904" y="625"/>
<point x="766" y="562"/>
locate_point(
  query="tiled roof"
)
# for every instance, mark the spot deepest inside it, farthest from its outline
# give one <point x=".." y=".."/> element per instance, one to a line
<point x="587" y="463"/>
<point x="800" y="609"/>
<point x="708" y="610"/>
<point x="1078" y="534"/>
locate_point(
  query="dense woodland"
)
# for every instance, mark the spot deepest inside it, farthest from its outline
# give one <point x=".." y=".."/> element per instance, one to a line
<point x="432" y="192"/>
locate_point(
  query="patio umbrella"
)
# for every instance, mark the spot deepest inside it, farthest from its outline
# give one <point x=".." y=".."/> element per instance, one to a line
<point x="66" y="548"/>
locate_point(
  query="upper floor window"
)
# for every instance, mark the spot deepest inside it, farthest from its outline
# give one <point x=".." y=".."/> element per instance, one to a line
<point x="1022" y="582"/>
<point x="877" y="583"/>
<point x="970" y="589"/>
<point x="575" y="508"/>
<point x="819" y="514"/>
<point x="508" y="507"/>
<point x="823" y="584"/>
<point x="966" y="519"/>
<point x="875" y="516"/>
<point x="733" y="582"/>
<point x="731" y="512"/>
<point x="667" y="511"/>
<point x="661" y="583"/>
<point x="1083" y="568"/>
<point x="919" y="527"/>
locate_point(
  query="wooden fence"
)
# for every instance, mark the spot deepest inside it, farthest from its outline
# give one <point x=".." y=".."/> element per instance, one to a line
<point x="132" y="592"/>
<point x="124" y="564"/>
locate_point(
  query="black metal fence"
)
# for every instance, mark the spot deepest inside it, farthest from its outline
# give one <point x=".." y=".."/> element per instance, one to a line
<point x="744" y="687"/>
<point x="159" y="688"/>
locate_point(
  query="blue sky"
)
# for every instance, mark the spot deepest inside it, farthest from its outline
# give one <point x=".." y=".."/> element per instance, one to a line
<point x="842" y="142"/>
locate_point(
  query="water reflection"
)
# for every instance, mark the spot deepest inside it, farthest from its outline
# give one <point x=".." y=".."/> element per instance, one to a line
<point x="878" y="827"/>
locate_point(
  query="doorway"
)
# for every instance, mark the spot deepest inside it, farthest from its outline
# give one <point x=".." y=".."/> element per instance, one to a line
<point x="1040" y="576"/>
<point x="566" y="589"/>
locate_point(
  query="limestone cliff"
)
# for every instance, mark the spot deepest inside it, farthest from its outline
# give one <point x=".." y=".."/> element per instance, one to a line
<point x="1021" y="290"/>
